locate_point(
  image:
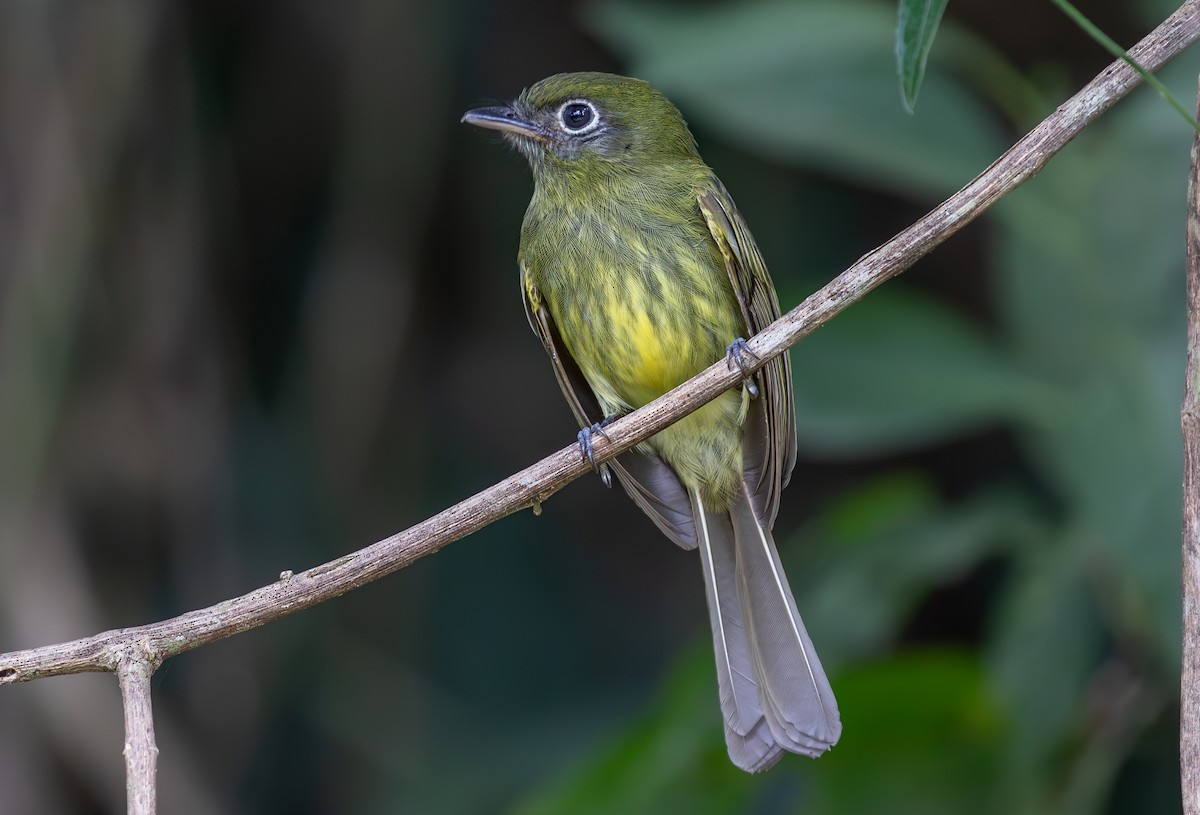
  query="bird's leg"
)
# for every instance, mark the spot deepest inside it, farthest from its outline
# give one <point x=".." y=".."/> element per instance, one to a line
<point x="736" y="354"/>
<point x="585" y="448"/>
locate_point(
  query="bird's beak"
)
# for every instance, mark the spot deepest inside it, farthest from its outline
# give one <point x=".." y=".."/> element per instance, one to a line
<point x="506" y="119"/>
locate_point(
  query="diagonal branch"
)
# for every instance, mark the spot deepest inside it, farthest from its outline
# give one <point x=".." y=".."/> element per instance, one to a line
<point x="536" y="483"/>
<point x="134" y="653"/>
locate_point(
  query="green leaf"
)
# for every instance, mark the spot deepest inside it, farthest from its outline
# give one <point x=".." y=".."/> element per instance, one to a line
<point x="1088" y="278"/>
<point x="915" y="29"/>
<point x="1115" y="458"/>
<point x="1046" y="645"/>
<point x="882" y="548"/>
<point x="922" y="735"/>
<point x="672" y="760"/>
<point x="1083" y="255"/>
<point x="809" y="83"/>
<point x="900" y="370"/>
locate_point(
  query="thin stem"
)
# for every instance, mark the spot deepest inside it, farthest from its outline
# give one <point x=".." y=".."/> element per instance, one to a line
<point x="134" y="670"/>
<point x="1189" y="700"/>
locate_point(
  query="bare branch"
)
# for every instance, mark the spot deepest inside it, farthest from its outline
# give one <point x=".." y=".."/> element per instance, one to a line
<point x="133" y="653"/>
<point x="536" y="483"/>
<point x="1189" y="702"/>
<point x="134" y="670"/>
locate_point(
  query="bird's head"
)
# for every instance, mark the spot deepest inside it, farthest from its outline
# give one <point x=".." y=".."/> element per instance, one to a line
<point x="583" y="121"/>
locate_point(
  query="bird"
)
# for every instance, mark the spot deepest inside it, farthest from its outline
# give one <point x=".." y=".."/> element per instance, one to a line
<point x="638" y="272"/>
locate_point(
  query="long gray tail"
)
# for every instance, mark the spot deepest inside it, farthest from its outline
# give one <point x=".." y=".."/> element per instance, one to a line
<point x="774" y="693"/>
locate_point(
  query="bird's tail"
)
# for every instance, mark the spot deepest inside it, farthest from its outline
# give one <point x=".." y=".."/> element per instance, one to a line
<point x="774" y="693"/>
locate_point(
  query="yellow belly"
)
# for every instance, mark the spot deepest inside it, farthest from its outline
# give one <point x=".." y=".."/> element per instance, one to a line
<point x="637" y="355"/>
<point x="643" y="302"/>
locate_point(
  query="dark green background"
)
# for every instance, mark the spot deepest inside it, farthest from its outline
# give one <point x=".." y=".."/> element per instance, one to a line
<point x="259" y="308"/>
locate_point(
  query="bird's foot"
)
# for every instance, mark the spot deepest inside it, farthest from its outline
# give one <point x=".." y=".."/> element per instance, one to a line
<point x="585" y="448"/>
<point x="737" y="354"/>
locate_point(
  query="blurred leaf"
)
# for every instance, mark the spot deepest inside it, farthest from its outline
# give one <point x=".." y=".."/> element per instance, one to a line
<point x="1089" y="248"/>
<point x="877" y="509"/>
<point x="924" y="731"/>
<point x="915" y="29"/>
<point x="1089" y="297"/>
<point x="1047" y="643"/>
<point x="1116" y="462"/>
<point x="885" y="546"/>
<point x="898" y="371"/>
<point x="1152" y="12"/>
<point x="747" y="72"/>
<point x="672" y="760"/>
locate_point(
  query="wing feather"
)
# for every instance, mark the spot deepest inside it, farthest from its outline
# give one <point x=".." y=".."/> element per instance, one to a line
<point x="770" y="444"/>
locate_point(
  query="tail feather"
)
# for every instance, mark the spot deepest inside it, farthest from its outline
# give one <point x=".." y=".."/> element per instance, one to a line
<point x="747" y="734"/>
<point x="774" y="694"/>
<point x="796" y="697"/>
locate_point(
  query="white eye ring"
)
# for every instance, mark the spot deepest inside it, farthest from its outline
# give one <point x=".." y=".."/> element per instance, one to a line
<point x="592" y="122"/>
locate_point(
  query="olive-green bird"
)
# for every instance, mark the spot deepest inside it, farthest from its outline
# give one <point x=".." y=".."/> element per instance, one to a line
<point x="639" y="272"/>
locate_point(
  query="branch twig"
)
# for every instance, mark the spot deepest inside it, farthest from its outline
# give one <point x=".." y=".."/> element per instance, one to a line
<point x="133" y="653"/>
<point x="1189" y="700"/>
<point x="134" y="670"/>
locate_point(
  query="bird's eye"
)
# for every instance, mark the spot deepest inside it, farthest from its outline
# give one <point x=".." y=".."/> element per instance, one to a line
<point x="578" y="117"/>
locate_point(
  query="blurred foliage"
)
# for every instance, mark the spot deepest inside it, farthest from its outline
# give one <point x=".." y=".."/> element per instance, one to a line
<point x="258" y="307"/>
<point x="1081" y="367"/>
<point x="747" y="72"/>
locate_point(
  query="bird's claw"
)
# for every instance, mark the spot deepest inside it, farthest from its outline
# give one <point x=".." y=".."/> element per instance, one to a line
<point x="736" y="354"/>
<point x="585" y="449"/>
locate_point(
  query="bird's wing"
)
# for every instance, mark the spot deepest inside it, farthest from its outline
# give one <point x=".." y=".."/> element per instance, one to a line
<point x="770" y="436"/>
<point x="579" y="395"/>
<point x="649" y="481"/>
